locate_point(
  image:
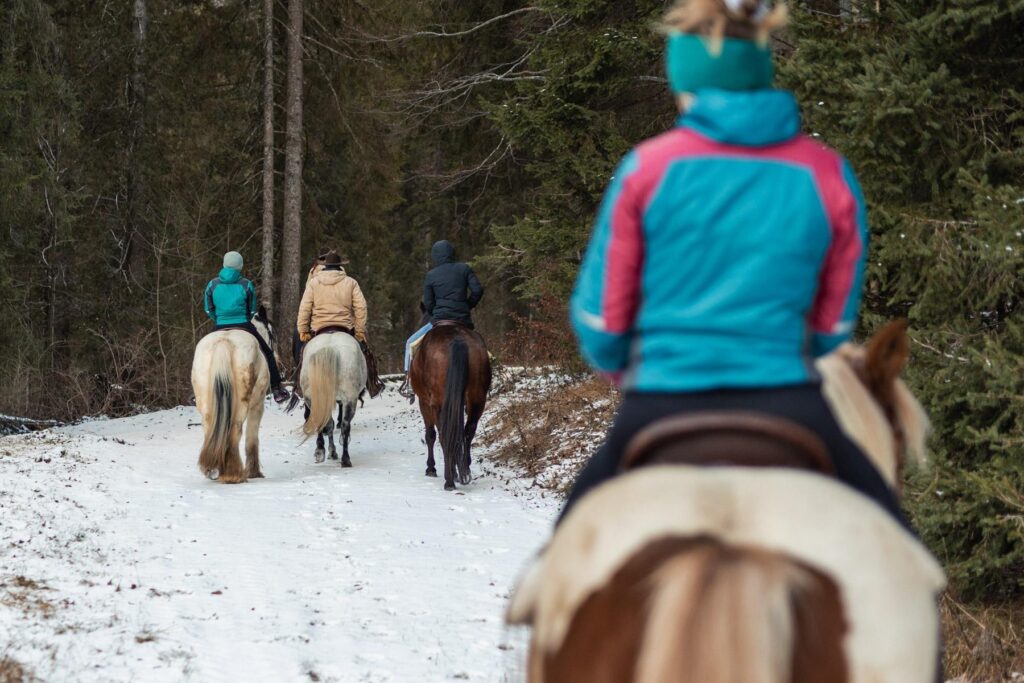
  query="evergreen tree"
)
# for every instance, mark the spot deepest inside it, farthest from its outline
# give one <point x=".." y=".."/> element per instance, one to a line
<point x="926" y="100"/>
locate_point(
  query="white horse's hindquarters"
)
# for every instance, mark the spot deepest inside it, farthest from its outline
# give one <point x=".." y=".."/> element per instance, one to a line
<point x="352" y="365"/>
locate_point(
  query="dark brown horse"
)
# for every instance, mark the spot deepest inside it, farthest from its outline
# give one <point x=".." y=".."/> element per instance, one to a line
<point x="451" y="375"/>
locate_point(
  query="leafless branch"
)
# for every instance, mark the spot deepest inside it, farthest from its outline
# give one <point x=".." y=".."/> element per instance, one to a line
<point x="451" y="34"/>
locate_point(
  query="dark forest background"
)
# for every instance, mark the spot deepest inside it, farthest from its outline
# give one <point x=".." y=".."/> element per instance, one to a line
<point x="131" y="158"/>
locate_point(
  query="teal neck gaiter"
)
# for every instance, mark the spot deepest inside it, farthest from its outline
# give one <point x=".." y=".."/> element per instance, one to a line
<point x="741" y="65"/>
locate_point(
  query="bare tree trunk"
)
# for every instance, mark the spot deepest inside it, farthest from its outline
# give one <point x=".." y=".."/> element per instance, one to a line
<point x="137" y="237"/>
<point x="267" y="295"/>
<point x="291" y="238"/>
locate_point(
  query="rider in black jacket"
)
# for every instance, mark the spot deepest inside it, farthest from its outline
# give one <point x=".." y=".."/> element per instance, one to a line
<point x="451" y="289"/>
<point x="450" y="292"/>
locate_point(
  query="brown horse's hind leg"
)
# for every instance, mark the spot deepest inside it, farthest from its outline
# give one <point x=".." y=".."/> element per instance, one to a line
<point x="430" y="436"/>
<point x="252" y="439"/>
<point x="431" y="439"/>
<point x="471" y="424"/>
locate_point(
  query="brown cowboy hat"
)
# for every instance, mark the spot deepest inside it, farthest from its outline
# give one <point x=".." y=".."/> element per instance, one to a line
<point x="331" y="257"/>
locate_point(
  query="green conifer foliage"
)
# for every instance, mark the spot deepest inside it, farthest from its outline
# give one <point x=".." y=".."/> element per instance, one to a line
<point x="601" y="90"/>
<point x="927" y="100"/>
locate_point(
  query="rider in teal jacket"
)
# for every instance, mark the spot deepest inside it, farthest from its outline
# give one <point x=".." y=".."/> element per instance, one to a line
<point x="230" y="302"/>
<point x="230" y="299"/>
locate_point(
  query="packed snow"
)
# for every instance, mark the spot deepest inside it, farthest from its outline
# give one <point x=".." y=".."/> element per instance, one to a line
<point x="119" y="561"/>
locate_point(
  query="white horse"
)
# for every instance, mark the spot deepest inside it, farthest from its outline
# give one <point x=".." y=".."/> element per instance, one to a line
<point x="230" y="378"/>
<point x="333" y="372"/>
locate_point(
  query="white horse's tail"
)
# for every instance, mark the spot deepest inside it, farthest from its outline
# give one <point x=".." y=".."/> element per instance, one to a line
<point x="723" y="615"/>
<point x="324" y="371"/>
<point x="220" y="448"/>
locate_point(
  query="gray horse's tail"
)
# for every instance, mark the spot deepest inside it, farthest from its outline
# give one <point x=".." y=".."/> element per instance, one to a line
<point x="323" y="369"/>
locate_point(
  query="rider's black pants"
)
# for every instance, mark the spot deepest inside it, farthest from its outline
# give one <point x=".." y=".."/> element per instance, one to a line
<point x="268" y="353"/>
<point x="802" y="404"/>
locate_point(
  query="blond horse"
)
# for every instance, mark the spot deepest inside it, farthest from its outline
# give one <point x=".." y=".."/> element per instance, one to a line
<point x="675" y="574"/>
<point x="230" y="380"/>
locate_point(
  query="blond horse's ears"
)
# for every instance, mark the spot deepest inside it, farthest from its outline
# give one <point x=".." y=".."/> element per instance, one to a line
<point x="887" y="355"/>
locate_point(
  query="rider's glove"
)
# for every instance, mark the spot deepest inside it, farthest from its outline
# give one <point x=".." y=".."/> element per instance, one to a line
<point x="305" y="337"/>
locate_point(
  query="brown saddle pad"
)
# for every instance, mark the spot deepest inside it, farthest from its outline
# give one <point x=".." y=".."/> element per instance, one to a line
<point x="737" y="438"/>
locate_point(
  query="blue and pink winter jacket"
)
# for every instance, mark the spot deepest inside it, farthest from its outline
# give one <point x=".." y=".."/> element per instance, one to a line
<point x="728" y="252"/>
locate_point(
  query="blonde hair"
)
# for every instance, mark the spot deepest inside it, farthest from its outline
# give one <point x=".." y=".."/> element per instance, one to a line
<point x="751" y="20"/>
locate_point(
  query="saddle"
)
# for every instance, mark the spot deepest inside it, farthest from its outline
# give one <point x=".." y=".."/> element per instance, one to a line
<point x="331" y="329"/>
<point x="451" y="323"/>
<point x="736" y="438"/>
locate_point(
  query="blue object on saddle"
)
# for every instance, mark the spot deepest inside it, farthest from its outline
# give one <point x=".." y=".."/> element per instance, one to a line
<point x="416" y="336"/>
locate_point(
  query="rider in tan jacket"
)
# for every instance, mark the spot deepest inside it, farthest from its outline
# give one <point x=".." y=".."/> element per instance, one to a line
<point x="332" y="299"/>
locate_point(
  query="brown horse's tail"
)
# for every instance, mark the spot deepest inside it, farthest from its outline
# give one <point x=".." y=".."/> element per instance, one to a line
<point x="453" y="410"/>
<point x="323" y="369"/>
<point x="725" y="615"/>
<point x="215" y="458"/>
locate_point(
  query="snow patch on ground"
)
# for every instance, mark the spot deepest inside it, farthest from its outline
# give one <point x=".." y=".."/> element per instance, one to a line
<point x="119" y="561"/>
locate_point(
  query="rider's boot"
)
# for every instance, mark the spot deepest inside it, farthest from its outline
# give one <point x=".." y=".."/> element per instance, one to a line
<point x="405" y="390"/>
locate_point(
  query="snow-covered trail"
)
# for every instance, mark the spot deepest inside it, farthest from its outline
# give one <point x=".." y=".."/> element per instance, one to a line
<point x="119" y="561"/>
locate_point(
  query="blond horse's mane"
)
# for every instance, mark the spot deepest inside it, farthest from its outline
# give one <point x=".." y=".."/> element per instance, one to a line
<point x="863" y="419"/>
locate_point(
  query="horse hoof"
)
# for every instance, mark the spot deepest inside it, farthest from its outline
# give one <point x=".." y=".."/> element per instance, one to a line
<point x="334" y="455"/>
<point x="346" y="463"/>
<point x="213" y="474"/>
<point x="258" y="475"/>
<point x="318" y="456"/>
<point x="465" y="479"/>
<point x="431" y="472"/>
<point x="449" y="487"/>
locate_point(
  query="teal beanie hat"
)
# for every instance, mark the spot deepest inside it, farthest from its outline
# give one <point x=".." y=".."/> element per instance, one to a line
<point x="740" y="65"/>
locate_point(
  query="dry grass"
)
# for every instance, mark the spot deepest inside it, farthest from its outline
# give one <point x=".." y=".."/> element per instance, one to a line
<point x="547" y="429"/>
<point x="12" y="671"/>
<point x="27" y="596"/>
<point x="984" y="644"/>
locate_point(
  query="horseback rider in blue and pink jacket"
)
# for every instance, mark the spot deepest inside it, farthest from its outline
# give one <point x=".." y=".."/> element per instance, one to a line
<point x="728" y="254"/>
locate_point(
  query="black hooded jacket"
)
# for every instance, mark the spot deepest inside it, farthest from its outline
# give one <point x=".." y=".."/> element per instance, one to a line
<point x="451" y="289"/>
